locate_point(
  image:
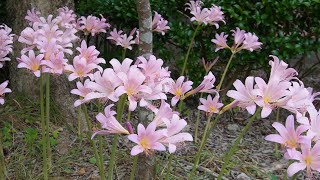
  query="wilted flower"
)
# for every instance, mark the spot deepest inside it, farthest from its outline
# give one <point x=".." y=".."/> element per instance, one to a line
<point x="3" y="90"/>
<point x="147" y="139"/>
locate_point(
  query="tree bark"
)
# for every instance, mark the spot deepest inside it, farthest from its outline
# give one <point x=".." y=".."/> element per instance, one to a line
<point x="145" y="168"/>
<point x="25" y="83"/>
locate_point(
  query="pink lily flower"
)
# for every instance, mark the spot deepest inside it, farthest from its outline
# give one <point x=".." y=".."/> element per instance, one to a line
<point x="159" y="24"/>
<point x="200" y="15"/>
<point x="32" y="16"/>
<point x="174" y="135"/>
<point x="6" y="40"/>
<point x="93" y="25"/>
<point x="104" y="85"/>
<point x="109" y="123"/>
<point x="251" y="42"/>
<point x="3" y="90"/>
<point x="67" y="18"/>
<point x="55" y="64"/>
<point x="82" y="91"/>
<point x="238" y="35"/>
<point x="280" y="70"/>
<point x="80" y="68"/>
<point x="210" y="105"/>
<point x="115" y="35"/>
<point x="244" y="94"/>
<point x="118" y="67"/>
<point x="90" y="54"/>
<point x="147" y="139"/>
<point x="309" y="158"/>
<point x="272" y="95"/>
<point x="206" y="85"/>
<point x="288" y="136"/>
<point x="220" y="41"/>
<point x="215" y="15"/>
<point x="132" y="86"/>
<point x="164" y="112"/>
<point x="178" y="89"/>
<point x="32" y="62"/>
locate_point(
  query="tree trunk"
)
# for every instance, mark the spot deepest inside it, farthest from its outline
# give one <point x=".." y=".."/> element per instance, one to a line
<point x="25" y="83"/>
<point x="145" y="168"/>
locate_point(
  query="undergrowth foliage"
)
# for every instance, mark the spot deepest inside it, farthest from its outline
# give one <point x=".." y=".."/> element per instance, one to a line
<point x="146" y="82"/>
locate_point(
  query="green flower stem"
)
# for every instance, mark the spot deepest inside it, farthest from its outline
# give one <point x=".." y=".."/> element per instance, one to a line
<point x="48" y="120"/>
<point x="101" y="145"/>
<point x="44" y="132"/>
<point x="120" y="108"/>
<point x="79" y="122"/>
<point x="225" y="71"/>
<point x="134" y="167"/>
<point x="197" y="123"/>
<point x="93" y="144"/>
<point x="123" y="54"/>
<point x="203" y="142"/>
<point x="169" y="166"/>
<point x="236" y="143"/>
<point x="2" y="161"/>
<point x="189" y="49"/>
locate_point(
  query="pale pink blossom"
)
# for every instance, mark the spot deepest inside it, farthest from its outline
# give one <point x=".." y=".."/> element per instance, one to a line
<point x="133" y="86"/>
<point x="104" y="85"/>
<point x="210" y="105"/>
<point x="220" y="41"/>
<point x="115" y="35"/>
<point x="31" y="62"/>
<point x="121" y="39"/>
<point x="82" y="91"/>
<point x="55" y="64"/>
<point x="174" y="135"/>
<point x="164" y="112"/>
<point x="109" y="123"/>
<point x="244" y="94"/>
<point x="121" y="67"/>
<point x="288" y="136"/>
<point x="280" y="71"/>
<point x="147" y="140"/>
<point x="207" y="84"/>
<point x="251" y="42"/>
<point x="6" y="40"/>
<point x="238" y="35"/>
<point x="308" y="158"/>
<point x="93" y="25"/>
<point x="67" y="17"/>
<point x="3" y="90"/>
<point x="80" y="68"/>
<point x="200" y="15"/>
<point x="33" y="16"/>
<point x="272" y="95"/>
<point x="179" y="88"/>
<point x="215" y="15"/>
<point x="159" y="24"/>
<point x="90" y="53"/>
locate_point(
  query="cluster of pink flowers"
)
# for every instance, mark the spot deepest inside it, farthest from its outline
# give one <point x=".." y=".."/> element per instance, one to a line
<point x="6" y="40"/>
<point x="121" y="39"/>
<point x="159" y="24"/>
<point x="143" y="82"/>
<point x="205" y="16"/>
<point x="285" y="90"/>
<point x="46" y="41"/>
<point x="242" y="40"/>
<point x="93" y="25"/>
